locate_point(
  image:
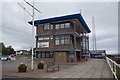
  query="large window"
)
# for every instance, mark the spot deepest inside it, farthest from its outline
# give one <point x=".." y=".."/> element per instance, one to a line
<point x="57" y="41"/>
<point x="51" y="55"/>
<point x="51" y="37"/>
<point x="63" y="39"/>
<point x="51" y="26"/>
<point x="57" y="26"/>
<point x="67" y="25"/>
<point x="83" y="45"/>
<point x="71" y="55"/>
<point x="46" y="26"/>
<point x="67" y="39"/>
<point x="46" y="37"/>
<point x="39" y="55"/>
<point x="62" y="26"/>
<point x="40" y="38"/>
<point x="45" y="54"/>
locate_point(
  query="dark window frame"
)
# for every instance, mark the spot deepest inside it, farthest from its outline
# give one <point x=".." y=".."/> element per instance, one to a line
<point x="46" y="27"/>
<point x="57" y="27"/>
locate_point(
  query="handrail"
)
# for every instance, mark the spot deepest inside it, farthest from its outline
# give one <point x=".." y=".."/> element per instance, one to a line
<point x="113" y="69"/>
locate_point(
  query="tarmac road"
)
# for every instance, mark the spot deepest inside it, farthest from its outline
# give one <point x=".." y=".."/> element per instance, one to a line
<point x="11" y="65"/>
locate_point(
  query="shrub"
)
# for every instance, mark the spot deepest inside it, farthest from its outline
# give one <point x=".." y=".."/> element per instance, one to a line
<point x="22" y="65"/>
<point x="41" y="63"/>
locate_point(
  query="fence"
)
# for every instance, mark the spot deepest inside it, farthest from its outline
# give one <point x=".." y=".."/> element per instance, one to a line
<point x="115" y="68"/>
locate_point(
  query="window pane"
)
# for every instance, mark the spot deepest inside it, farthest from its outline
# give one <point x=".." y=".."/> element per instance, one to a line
<point x="57" y="37"/>
<point x="62" y="36"/>
<point x="40" y="38"/>
<point x="57" y="42"/>
<point x="51" y="55"/>
<point x="46" y="26"/>
<point x="46" y="37"/>
<point x="39" y="55"/>
<point x="51" y="26"/>
<point x="67" y="36"/>
<point x="62" y="41"/>
<point x="51" y="37"/>
<point x="57" y="26"/>
<point x="67" y="25"/>
<point x="47" y="55"/>
<point x="67" y="41"/>
<point x="70" y="41"/>
<point x="71" y="55"/>
<point x="43" y="55"/>
<point x="61" y="26"/>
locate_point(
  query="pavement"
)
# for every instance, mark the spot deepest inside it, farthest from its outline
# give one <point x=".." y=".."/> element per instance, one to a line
<point x="10" y="69"/>
<point x="94" y="68"/>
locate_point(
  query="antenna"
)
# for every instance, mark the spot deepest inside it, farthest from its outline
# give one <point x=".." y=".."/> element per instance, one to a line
<point x="93" y="34"/>
<point x="32" y="15"/>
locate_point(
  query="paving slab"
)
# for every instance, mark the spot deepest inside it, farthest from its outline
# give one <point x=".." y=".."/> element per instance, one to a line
<point x="94" y="68"/>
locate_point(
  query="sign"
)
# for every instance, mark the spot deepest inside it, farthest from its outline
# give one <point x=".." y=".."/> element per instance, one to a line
<point x="43" y="44"/>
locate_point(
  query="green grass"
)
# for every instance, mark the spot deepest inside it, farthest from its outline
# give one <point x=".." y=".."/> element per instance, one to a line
<point x="18" y="57"/>
<point x="29" y="57"/>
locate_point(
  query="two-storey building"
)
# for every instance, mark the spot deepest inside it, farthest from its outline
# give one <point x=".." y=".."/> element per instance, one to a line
<point x="62" y="39"/>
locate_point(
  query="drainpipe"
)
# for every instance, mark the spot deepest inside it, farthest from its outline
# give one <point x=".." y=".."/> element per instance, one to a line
<point x="75" y="41"/>
<point x="80" y="44"/>
<point x="54" y="43"/>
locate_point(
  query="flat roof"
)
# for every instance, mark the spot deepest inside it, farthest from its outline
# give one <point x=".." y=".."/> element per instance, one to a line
<point x="66" y="17"/>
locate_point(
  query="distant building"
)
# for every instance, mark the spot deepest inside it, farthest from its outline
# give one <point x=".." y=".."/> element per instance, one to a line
<point x="62" y="39"/>
<point x="97" y="53"/>
<point x="24" y="52"/>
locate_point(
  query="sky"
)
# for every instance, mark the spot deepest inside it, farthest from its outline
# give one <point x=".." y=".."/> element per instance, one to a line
<point x="17" y="32"/>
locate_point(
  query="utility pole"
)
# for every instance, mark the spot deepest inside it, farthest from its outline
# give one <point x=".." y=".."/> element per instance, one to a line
<point x="93" y="34"/>
<point x="32" y="37"/>
<point x="32" y="15"/>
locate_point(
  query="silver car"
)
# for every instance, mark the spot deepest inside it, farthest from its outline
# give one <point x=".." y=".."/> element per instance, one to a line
<point x="4" y="58"/>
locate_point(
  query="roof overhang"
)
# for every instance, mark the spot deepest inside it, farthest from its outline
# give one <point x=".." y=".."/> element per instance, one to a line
<point x="67" y="17"/>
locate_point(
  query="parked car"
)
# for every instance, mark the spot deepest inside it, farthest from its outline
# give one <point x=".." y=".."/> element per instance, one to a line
<point x="12" y="57"/>
<point x="4" y="58"/>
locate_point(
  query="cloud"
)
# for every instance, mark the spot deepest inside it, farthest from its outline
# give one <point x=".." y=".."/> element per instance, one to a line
<point x="16" y="33"/>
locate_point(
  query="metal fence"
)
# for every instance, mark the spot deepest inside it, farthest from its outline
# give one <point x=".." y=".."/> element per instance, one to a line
<point x="115" y="68"/>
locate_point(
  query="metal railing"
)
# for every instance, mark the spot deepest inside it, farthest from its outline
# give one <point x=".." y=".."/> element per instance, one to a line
<point x="114" y="67"/>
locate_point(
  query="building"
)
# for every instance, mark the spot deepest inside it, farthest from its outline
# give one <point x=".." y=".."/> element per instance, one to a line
<point x="22" y="52"/>
<point x="97" y="53"/>
<point x="62" y="39"/>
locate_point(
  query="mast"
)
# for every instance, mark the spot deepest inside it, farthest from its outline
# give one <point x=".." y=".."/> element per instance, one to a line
<point x="32" y="37"/>
<point x="32" y="15"/>
<point x="94" y="35"/>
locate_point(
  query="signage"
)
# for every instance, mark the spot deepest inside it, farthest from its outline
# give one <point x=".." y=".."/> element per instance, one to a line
<point x="43" y="44"/>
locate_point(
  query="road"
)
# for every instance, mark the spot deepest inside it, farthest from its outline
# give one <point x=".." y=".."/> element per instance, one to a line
<point x="12" y="65"/>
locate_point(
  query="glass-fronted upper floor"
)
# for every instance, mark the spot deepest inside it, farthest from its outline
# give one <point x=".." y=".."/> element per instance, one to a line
<point x="48" y="26"/>
<point x="61" y="27"/>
